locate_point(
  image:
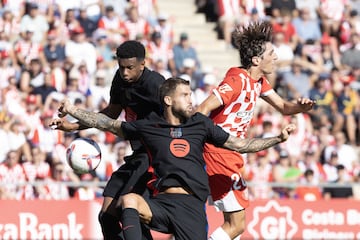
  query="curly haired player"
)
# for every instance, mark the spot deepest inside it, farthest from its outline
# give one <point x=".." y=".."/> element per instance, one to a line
<point x="231" y="106"/>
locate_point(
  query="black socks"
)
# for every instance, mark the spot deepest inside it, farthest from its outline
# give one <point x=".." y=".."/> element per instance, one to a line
<point x="131" y="224"/>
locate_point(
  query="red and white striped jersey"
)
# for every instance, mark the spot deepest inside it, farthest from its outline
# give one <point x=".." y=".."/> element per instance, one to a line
<point x="229" y="8"/>
<point x="33" y="172"/>
<point x="333" y="9"/>
<point x="160" y="52"/>
<point x="145" y="7"/>
<point x="108" y="23"/>
<point x="29" y="50"/>
<point x="11" y="177"/>
<point x="238" y="93"/>
<point x="135" y="28"/>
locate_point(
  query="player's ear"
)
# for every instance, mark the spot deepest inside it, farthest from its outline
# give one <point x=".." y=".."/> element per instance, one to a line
<point x="255" y="60"/>
<point x="167" y="100"/>
<point x="142" y="63"/>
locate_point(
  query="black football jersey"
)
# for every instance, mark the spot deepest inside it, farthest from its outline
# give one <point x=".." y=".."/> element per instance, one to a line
<point x="177" y="151"/>
<point x="138" y="99"/>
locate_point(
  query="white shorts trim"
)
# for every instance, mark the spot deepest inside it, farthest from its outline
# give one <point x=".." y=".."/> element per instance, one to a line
<point x="228" y="203"/>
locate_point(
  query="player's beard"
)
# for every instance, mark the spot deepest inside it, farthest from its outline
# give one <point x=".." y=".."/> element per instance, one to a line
<point x="182" y="114"/>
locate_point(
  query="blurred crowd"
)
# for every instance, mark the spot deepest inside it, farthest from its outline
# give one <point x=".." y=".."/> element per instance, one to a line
<point x="51" y="49"/>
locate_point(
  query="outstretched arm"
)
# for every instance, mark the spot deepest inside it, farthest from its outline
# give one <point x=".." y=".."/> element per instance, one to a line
<point x="90" y="119"/>
<point x="289" y="108"/>
<point x="112" y="110"/>
<point x="258" y="144"/>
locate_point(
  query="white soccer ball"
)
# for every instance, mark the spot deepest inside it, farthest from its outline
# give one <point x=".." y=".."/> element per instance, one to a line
<point x="83" y="155"/>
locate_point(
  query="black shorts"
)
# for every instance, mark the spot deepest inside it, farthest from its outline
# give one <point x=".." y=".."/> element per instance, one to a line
<point x="182" y="215"/>
<point x="130" y="177"/>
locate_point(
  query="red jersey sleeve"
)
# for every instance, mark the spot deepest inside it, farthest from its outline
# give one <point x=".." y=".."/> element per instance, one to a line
<point x="230" y="87"/>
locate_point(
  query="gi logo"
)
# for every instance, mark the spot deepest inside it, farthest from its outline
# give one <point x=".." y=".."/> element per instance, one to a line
<point x="272" y="221"/>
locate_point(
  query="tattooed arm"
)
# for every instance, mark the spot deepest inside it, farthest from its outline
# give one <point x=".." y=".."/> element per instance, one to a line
<point x="257" y="144"/>
<point x="90" y="119"/>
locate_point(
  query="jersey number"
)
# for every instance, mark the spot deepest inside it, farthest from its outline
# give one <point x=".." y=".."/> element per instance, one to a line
<point x="238" y="182"/>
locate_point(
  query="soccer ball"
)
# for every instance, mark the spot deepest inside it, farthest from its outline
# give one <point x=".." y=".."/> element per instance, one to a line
<point x="83" y="155"/>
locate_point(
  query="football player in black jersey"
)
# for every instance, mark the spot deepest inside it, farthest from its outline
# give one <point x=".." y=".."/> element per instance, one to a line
<point x="175" y="142"/>
<point x="134" y="89"/>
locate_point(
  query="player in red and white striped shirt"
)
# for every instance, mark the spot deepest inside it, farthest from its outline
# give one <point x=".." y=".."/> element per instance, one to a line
<point x="136" y="25"/>
<point x="232" y="106"/>
<point x="11" y="177"/>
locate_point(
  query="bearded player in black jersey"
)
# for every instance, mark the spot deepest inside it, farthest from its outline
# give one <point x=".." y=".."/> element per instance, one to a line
<point x="134" y="89"/>
<point x="175" y="142"/>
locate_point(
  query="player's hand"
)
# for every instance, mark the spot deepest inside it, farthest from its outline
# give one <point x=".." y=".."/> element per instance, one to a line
<point x="62" y="124"/>
<point x="286" y="131"/>
<point x="63" y="109"/>
<point x="306" y="104"/>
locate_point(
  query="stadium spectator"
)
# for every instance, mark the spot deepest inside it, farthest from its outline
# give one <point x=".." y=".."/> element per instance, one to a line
<point x="33" y="77"/>
<point x="25" y="49"/>
<point x="12" y="177"/>
<point x="261" y="173"/>
<point x="297" y="81"/>
<point x="147" y="9"/>
<point x="54" y="189"/>
<point x="9" y="25"/>
<point x="344" y="190"/>
<point x="88" y="191"/>
<point x="308" y="189"/>
<point x="311" y="161"/>
<point x="87" y="23"/>
<point x="331" y="13"/>
<point x="229" y="13"/>
<point x="159" y="50"/>
<point x="183" y="49"/>
<point x="36" y="170"/>
<point x="120" y="7"/>
<point x="78" y="50"/>
<point x="113" y="26"/>
<point x="277" y="6"/>
<point x="160" y="67"/>
<point x="346" y="152"/>
<point x="285" y="53"/>
<point x="350" y="57"/>
<point x="330" y="167"/>
<point x="346" y="100"/>
<point x="285" y="171"/>
<point x="136" y="25"/>
<point x="164" y="26"/>
<point x="37" y="21"/>
<point x="53" y="49"/>
<point x="312" y="5"/>
<point x="104" y="50"/>
<point x="70" y="20"/>
<point x="57" y="75"/>
<point x="7" y="71"/>
<point x="321" y="115"/>
<point x="307" y="29"/>
<point x="100" y="90"/>
<point x="209" y="82"/>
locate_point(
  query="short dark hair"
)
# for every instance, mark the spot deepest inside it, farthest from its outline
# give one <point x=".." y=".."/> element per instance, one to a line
<point x="131" y="49"/>
<point x="251" y="40"/>
<point x="169" y="86"/>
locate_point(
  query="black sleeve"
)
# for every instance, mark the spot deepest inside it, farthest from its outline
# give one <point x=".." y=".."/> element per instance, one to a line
<point x="215" y="134"/>
<point x="131" y="130"/>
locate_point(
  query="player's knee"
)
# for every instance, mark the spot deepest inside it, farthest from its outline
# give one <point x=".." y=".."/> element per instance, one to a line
<point x="129" y="201"/>
<point x="237" y="228"/>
